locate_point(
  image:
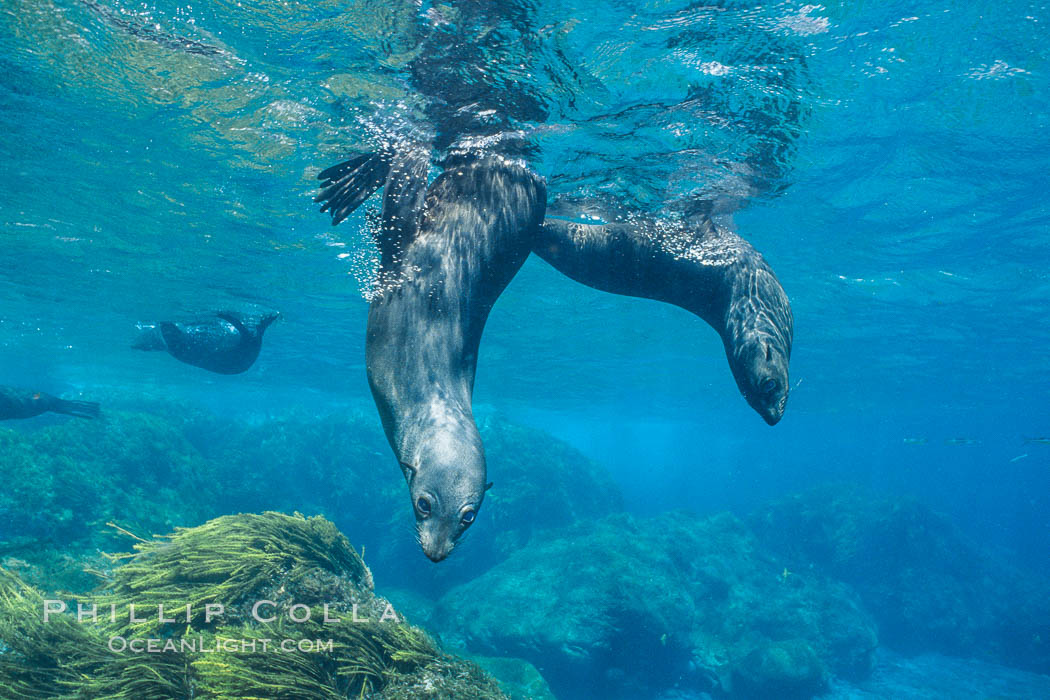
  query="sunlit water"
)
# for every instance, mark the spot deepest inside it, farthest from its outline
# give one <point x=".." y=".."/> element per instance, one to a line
<point x="890" y="160"/>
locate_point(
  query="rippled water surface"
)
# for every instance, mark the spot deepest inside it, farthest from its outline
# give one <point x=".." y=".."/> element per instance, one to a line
<point x="890" y="159"/>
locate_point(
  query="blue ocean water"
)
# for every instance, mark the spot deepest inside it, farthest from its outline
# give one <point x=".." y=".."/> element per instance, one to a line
<point x="890" y="160"/>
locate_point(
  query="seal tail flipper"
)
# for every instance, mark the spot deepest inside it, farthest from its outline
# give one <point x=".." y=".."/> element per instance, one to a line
<point x="80" y="409"/>
<point x="267" y="320"/>
<point x="348" y="184"/>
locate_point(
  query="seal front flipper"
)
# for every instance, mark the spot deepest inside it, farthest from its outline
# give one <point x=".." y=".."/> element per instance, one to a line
<point x="80" y="409"/>
<point x="171" y="334"/>
<point x="403" y="198"/>
<point x="348" y="184"/>
<point x="235" y="321"/>
<point x="20" y="403"/>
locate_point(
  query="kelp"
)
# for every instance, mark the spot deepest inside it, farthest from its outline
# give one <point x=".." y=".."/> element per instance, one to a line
<point x="352" y="644"/>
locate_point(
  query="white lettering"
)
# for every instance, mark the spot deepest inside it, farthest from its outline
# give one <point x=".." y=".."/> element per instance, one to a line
<point x="213" y="609"/>
<point x="53" y="606"/>
<point x="291" y="613"/>
<point x="255" y="611"/>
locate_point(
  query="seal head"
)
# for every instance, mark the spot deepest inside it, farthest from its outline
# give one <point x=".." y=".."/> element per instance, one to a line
<point x="759" y="330"/>
<point x="447" y="488"/>
<point x="760" y="367"/>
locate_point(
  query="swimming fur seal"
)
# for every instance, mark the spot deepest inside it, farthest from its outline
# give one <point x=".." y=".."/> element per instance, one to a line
<point x="448" y="252"/>
<point x="19" y="403"/>
<point x="693" y="264"/>
<point x="445" y="261"/>
<point x="229" y="343"/>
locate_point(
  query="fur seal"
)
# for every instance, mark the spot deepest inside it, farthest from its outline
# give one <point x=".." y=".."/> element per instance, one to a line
<point x="448" y="251"/>
<point x="19" y="403"/>
<point x="229" y="343"/>
<point x="696" y="265"/>
<point x="446" y="259"/>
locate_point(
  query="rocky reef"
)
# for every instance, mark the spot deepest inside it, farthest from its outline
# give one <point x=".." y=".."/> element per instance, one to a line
<point x="320" y="632"/>
<point x="930" y="588"/>
<point x="555" y="585"/>
<point x="174" y="466"/>
<point x="630" y="607"/>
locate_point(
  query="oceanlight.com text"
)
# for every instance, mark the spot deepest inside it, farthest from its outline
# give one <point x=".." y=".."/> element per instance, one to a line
<point x="203" y="645"/>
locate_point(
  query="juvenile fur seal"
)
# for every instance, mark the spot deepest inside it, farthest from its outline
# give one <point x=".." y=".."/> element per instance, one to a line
<point x="445" y="261"/>
<point x="229" y="343"/>
<point x="19" y="403"/>
<point x="695" y="265"/>
<point x="444" y="264"/>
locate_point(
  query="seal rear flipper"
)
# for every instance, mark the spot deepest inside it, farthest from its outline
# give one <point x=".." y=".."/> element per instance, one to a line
<point x="348" y="184"/>
<point x="267" y="320"/>
<point x="80" y="409"/>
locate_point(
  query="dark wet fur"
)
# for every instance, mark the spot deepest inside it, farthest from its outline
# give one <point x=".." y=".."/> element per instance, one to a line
<point x="22" y="403"/>
<point x="228" y="343"/>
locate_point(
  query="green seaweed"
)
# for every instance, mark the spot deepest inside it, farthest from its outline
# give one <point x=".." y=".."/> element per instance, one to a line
<point x="356" y="645"/>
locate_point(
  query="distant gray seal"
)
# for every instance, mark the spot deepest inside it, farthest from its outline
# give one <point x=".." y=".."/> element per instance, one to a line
<point x="228" y="343"/>
<point x="20" y="403"/>
<point x="695" y="265"/>
<point x="445" y="261"/>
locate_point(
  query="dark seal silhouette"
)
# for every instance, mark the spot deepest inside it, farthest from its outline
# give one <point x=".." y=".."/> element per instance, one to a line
<point x="227" y="343"/>
<point x="20" y="403"/>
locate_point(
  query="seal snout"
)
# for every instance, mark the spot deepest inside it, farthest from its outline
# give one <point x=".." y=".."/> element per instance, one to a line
<point x="436" y="550"/>
<point x="775" y="412"/>
<point x="436" y="556"/>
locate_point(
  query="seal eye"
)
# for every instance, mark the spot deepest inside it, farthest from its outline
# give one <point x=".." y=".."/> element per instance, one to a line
<point x="423" y="505"/>
<point x="468" y="516"/>
<point x="769" y="386"/>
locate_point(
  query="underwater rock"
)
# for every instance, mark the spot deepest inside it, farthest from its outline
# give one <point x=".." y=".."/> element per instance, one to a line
<point x="165" y="465"/>
<point x="790" y="669"/>
<point x="315" y="592"/>
<point x="632" y="607"/>
<point x="927" y="585"/>
<point x="64" y="482"/>
<point x="517" y="677"/>
<point x="325" y="465"/>
<point x="933" y="677"/>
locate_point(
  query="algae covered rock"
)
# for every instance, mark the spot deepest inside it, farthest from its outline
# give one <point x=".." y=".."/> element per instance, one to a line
<point x="517" y="677"/>
<point x="631" y="607"/>
<point x="64" y="481"/>
<point x="927" y="585"/>
<point x="789" y="669"/>
<point x="162" y="465"/>
<point x="343" y="468"/>
<point x="244" y="606"/>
